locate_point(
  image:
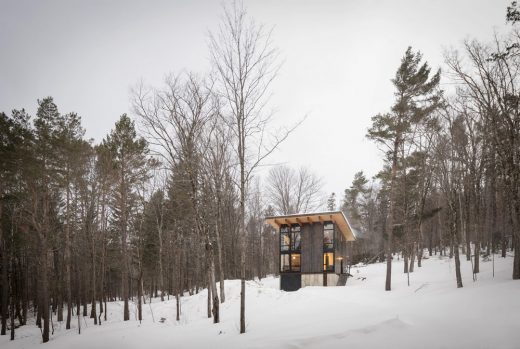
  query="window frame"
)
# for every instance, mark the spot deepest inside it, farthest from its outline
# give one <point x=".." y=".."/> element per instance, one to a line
<point x="295" y="231"/>
<point x="330" y="247"/>
<point x="332" y="243"/>
<point x="291" y="230"/>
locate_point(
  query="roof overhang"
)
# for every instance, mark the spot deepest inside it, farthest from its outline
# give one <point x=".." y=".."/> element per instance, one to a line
<point x="307" y="218"/>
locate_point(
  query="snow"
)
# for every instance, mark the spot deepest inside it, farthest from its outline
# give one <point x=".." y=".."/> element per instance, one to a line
<point x="430" y="313"/>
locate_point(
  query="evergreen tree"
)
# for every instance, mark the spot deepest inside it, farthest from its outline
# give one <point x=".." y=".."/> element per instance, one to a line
<point x="129" y="157"/>
<point x="331" y="202"/>
<point x="417" y="97"/>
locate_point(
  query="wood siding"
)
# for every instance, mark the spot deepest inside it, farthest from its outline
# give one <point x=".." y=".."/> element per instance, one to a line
<point x="312" y="248"/>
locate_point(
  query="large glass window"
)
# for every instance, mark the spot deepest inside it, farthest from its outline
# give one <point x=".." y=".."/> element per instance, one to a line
<point x="328" y="261"/>
<point x="328" y="237"/>
<point x="290" y="246"/>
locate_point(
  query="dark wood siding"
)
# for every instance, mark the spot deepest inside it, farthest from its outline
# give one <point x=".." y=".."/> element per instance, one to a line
<point x="312" y="248"/>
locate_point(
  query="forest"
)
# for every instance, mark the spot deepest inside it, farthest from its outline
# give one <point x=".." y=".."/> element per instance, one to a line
<point x="170" y="202"/>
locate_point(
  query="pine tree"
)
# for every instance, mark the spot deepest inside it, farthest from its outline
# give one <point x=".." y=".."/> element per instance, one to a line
<point x="417" y="97"/>
<point x="128" y="154"/>
<point x="331" y="202"/>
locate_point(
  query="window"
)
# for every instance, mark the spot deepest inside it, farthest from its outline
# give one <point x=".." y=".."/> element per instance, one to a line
<point x="284" y="238"/>
<point x="295" y="262"/>
<point x="328" y="261"/>
<point x="295" y="238"/>
<point x="284" y="262"/>
<point x="328" y="237"/>
<point x="284" y="241"/>
<point x="290" y="246"/>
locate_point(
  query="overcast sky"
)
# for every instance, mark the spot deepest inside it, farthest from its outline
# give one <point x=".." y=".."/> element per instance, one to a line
<point x="339" y="57"/>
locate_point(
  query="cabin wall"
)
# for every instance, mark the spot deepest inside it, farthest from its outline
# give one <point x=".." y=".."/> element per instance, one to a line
<point x="317" y="279"/>
<point x="312" y="248"/>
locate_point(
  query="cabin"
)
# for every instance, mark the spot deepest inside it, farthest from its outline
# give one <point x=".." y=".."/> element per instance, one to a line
<point x="313" y="248"/>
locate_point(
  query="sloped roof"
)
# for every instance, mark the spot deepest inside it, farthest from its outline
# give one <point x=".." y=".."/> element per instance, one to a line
<point x="319" y="217"/>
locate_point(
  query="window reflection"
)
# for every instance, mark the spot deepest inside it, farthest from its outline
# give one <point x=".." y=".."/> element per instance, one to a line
<point x="284" y="241"/>
<point x="295" y="241"/>
<point x="328" y="236"/>
<point x="284" y="262"/>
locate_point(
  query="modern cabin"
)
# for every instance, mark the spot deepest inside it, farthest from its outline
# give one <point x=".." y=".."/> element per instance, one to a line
<point x="313" y="248"/>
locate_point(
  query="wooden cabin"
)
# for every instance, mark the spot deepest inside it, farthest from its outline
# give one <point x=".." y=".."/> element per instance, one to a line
<point x="313" y="248"/>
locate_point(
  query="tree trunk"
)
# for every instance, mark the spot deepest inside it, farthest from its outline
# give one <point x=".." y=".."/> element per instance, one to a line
<point x="219" y="255"/>
<point x="390" y="230"/>
<point x="209" y="292"/>
<point x="161" y="273"/>
<point x="476" y="267"/>
<point x="455" y="245"/>
<point x="5" y="281"/>
<point x="412" y="258"/>
<point x="44" y="285"/>
<point x="212" y="284"/>
<point x="177" y="306"/>
<point x="67" y="263"/>
<point x="516" y="233"/>
<point x="242" y="248"/>
<point x="140" y="297"/>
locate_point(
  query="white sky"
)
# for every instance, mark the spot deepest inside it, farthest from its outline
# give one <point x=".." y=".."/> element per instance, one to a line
<point x="339" y="57"/>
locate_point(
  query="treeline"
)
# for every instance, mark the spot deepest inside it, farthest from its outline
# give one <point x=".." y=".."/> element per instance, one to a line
<point x="83" y="224"/>
<point x="451" y="179"/>
<point x="133" y="217"/>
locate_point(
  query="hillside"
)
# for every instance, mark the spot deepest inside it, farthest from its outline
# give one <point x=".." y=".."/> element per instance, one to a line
<point x="430" y="313"/>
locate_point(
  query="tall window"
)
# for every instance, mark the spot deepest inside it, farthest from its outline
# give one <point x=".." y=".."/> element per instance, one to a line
<point x="328" y="246"/>
<point x="290" y="247"/>
<point x="328" y="237"/>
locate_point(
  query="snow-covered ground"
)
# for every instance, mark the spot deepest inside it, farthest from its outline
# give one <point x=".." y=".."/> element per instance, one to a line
<point x="430" y="313"/>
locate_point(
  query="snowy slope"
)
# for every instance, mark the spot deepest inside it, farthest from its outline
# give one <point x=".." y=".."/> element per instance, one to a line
<point x="430" y="313"/>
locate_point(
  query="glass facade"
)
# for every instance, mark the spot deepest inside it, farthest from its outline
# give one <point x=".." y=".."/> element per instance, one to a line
<point x="290" y="247"/>
<point x="291" y="244"/>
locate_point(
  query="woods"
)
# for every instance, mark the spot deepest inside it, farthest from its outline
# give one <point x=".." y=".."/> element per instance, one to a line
<point x="450" y="178"/>
<point x="173" y="200"/>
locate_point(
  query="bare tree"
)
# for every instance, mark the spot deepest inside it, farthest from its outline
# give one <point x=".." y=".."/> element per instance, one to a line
<point x="176" y="119"/>
<point x="245" y="64"/>
<point x="290" y="191"/>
